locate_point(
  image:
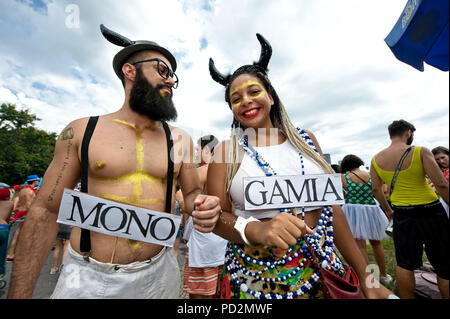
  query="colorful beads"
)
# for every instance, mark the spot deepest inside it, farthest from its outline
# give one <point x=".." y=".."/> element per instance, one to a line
<point x="324" y="251"/>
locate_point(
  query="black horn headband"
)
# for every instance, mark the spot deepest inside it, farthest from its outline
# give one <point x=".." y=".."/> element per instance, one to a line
<point x="115" y="38"/>
<point x="131" y="47"/>
<point x="266" y="54"/>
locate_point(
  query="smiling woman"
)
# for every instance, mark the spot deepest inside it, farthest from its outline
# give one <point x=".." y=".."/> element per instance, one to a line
<point x="280" y="253"/>
<point x="441" y="155"/>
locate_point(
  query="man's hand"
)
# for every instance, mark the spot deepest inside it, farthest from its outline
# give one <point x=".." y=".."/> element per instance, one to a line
<point x="206" y="212"/>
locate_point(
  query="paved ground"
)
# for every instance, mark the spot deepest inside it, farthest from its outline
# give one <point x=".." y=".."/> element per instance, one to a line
<point x="46" y="282"/>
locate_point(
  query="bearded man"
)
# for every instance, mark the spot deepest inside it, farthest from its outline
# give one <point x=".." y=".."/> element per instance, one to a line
<point x="419" y="219"/>
<point x="131" y="157"/>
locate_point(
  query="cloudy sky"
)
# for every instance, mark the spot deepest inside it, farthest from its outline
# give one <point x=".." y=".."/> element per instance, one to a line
<point x="330" y="64"/>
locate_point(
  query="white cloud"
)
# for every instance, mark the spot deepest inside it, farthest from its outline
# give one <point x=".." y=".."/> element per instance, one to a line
<point x="6" y="96"/>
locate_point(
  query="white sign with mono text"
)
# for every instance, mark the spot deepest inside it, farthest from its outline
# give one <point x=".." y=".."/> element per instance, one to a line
<point x="117" y="219"/>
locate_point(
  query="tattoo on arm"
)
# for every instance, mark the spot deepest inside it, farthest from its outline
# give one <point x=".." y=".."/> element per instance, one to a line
<point x="65" y="163"/>
<point x="67" y="134"/>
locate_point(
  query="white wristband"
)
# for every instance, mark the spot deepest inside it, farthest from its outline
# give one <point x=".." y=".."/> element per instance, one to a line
<point x="241" y="224"/>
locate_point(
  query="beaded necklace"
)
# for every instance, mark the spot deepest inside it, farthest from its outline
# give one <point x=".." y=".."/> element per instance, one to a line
<point x="324" y="228"/>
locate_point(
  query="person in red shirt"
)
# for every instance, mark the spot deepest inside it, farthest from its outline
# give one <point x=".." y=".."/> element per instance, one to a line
<point x="6" y="207"/>
<point x="25" y="197"/>
<point x="441" y="156"/>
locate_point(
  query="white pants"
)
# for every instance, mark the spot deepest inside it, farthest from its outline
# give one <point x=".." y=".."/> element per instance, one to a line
<point x="157" y="278"/>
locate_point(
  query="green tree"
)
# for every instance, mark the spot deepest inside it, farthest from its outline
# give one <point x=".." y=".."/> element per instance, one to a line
<point x="24" y="149"/>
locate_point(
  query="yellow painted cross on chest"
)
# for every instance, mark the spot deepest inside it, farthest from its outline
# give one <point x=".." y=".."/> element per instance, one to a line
<point x="136" y="178"/>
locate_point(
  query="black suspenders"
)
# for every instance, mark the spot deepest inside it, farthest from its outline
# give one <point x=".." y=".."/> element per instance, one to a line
<point x="85" y="239"/>
<point x="169" y="167"/>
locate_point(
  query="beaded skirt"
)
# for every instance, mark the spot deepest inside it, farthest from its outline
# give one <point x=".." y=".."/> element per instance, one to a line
<point x="249" y="273"/>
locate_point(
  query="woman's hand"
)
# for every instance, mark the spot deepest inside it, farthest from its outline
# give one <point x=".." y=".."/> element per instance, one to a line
<point x="282" y="231"/>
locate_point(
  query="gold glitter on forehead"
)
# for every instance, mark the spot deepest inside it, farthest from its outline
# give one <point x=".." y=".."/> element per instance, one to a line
<point x="244" y="97"/>
<point x="246" y="84"/>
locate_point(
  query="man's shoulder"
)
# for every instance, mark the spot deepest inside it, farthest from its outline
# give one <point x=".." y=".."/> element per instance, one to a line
<point x="70" y="129"/>
<point x="28" y="189"/>
<point x="82" y="122"/>
<point x="75" y="129"/>
<point x="381" y="154"/>
<point x="379" y="158"/>
<point x="422" y="148"/>
<point x="79" y="122"/>
<point x="377" y="155"/>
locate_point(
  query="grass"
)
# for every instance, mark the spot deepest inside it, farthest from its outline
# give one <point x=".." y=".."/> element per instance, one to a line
<point x="391" y="264"/>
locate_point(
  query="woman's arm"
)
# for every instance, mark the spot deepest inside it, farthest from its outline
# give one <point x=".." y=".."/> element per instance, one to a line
<point x="344" y="185"/>
<point x="346" y="245"/>
<point x="203" y="209"/>
<point x="282" y="231"/>
<point x="215" y="184"/>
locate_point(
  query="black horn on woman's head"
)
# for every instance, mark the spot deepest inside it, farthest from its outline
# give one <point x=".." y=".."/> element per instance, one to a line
<point x="115" y="38"/>
<point x="260" y="66"/>
<point x="216" y="75"/>
<point x="266" y="52"/>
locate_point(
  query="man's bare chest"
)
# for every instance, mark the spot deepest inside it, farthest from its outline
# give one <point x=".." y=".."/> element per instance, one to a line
<point x="123" y="152"/>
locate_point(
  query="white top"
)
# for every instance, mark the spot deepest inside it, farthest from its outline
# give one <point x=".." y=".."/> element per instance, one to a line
<point x="284" y="159"/>
<point x="205" y="249"/>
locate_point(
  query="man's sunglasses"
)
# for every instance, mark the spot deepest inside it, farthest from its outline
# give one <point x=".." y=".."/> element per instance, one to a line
<point x="163" y="70"/>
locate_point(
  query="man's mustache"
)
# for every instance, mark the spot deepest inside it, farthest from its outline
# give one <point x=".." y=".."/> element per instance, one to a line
<point x="162" y="86"/>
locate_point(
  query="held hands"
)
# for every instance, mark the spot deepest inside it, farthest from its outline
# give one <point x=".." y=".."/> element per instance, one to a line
<point x="282" y="231"/>
<point x="206" y="212"/>
<point x="389" y="212"/>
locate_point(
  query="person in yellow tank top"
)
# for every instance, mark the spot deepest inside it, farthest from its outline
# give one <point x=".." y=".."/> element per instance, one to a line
<point x="419" y="218"/>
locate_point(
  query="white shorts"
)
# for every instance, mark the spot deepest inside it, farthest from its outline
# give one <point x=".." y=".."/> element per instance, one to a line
<point x="157" y="278"/>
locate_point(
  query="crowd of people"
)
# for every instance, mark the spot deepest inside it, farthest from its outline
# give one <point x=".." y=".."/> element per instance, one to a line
<point x="132" y="156"/>
<point x="15" y="203"/>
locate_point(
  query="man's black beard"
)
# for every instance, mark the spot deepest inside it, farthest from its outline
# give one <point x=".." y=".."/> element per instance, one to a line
<point x="409" y="141"/>
<point x="147" y="100"/>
